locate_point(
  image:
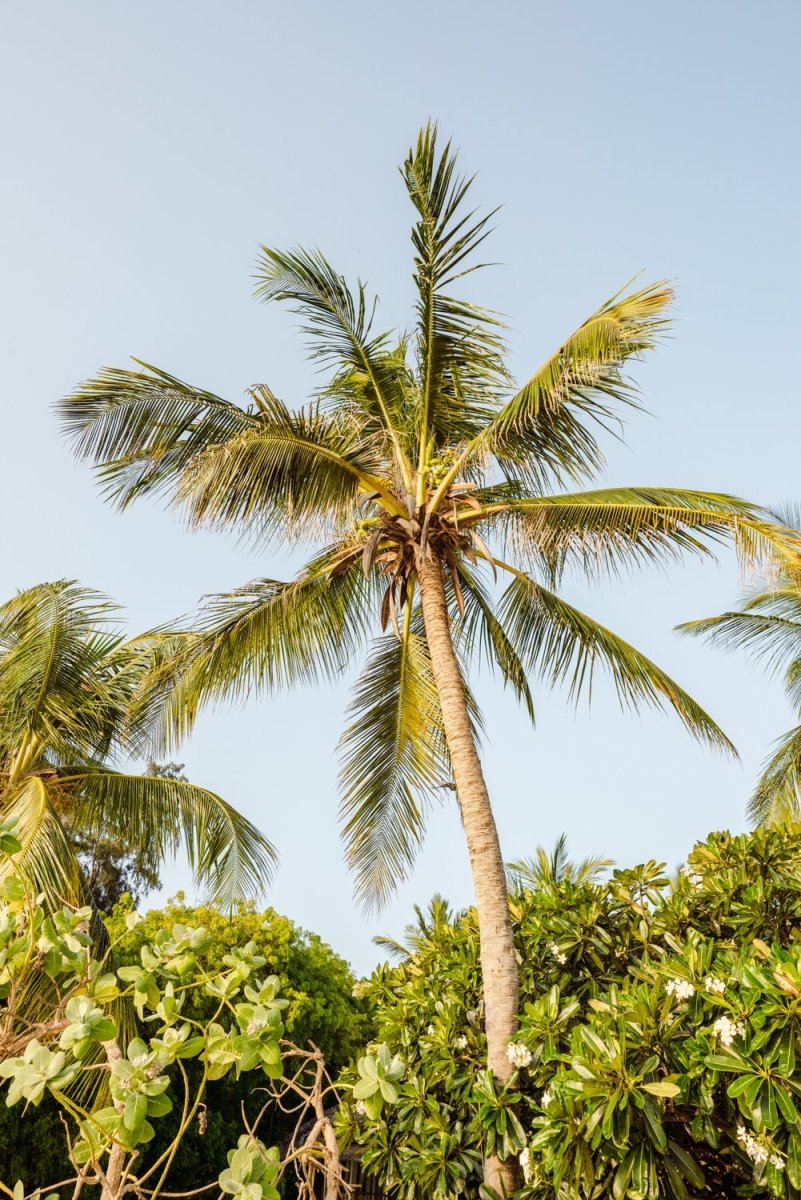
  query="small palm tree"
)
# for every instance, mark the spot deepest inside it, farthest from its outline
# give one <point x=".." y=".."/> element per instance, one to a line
<point x="420" y="472"/>
<point x="549" y="870"/>
<point x="68" y="683"/>
<point x="768" y="628"/>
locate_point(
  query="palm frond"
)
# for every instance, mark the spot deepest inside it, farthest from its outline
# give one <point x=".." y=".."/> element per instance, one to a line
<point x="47" y="858"/>
<point x="547" y="429"/>
<point x="339" y="326"/>
<point x="564" y="645"/>
<point x="484" y="634"/>
<point x="777" y="798"/>
<point x="143" y="428"/>
<point x="544" y="870"/>
<point x="772" y="640"/>
<point x="227" y="853"/>
<point x="460" y="349"/>
<point x="605" y="530"/>
<point x="301" y="473"/>
<point x="264" y="636"/>
<point x="393" y="761"/>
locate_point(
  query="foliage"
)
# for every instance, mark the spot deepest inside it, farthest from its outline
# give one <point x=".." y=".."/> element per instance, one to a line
<point x="418" y="447"/>
<point x="656" y="1055"/>
<point x="768" y="628"/>
<point x="73" y="704"/>
<point x="147" y="1078"/>
<point x="321" y="1009"/>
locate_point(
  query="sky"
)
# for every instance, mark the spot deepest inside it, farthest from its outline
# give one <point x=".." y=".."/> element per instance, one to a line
<point x="147" y="151"/>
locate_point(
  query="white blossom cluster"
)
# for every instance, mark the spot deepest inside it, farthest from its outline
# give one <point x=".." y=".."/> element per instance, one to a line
<point x="557" y="953"/>
<point x="525" y="1164"/>
<point x="717" y="986"/>
<point x="727" y="1030"/>
<point x="431" y="1031"/>
<point x="682" y="989"/>
<point x="518" y="1054"/>
<point x="461" y="1042"/>
<point x="757" y="1151"/>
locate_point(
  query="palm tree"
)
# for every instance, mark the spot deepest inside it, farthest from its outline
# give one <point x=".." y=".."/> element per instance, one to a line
<point x="549" y="870"/>
<point x="67" y="682"/>
<point x="419" y="472"/>
<point x="768" y="628"/>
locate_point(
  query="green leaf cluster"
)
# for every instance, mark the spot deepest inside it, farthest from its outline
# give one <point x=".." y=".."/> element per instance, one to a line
<point x="656" y="1057"/>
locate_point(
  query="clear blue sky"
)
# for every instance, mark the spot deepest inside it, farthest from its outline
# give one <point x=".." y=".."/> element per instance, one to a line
<point x="149" y="148"/>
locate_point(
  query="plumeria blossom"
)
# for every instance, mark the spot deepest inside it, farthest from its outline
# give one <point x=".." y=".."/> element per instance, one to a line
<point x="558" y="954"/>
<point x="682" y="989"/>
<point x="757" y="1151"/>
<point x="518" y="1054"/>
<point x="727" y="1030"/>
<point x="716" y="986"/>
<point x="461" y="1042"/>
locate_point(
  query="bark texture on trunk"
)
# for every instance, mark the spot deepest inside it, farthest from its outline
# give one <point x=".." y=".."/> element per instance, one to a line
<point x="498" y="959"/>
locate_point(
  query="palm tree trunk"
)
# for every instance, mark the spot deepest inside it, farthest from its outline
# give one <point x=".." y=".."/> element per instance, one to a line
<point x="498" y="960"/>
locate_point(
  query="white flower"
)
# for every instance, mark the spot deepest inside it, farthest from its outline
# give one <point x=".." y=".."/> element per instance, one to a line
<point x="525" y="1164"/>
<point x="545" y="1098"/>
<point x="431" y="1031"/>
<point x="557" y="953"/>
<point x="360" y="1110"/>
<point x="461" y="1042"/>
<point x="727" y="1030"/>
<point x="682" y="989"/>
<point x="714" y="985"/>
<point x="518" y="1054"/>
<point x="757" y="1151"/>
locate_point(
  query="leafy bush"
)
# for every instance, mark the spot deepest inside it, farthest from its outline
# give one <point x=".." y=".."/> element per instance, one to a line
<point x="656" y="1055"/>
<point x="315" y="984"/>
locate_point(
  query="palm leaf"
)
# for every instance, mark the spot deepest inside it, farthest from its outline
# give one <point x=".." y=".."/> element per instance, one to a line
<point x="564" y="645"/>
<point x="460" y="360"/>
<point x="777" y="798"/>
<point x="295" y="473"/>
<point x="485" y="635"/>
<point x="547" y="429"/>
<point x="47" y="858"/>
<point x="143" y="428"/>
<point x="259" y="638"/>
<point x="339" y="326"/>
<point x="602" y="531"/>
<point x="226" y="852"/>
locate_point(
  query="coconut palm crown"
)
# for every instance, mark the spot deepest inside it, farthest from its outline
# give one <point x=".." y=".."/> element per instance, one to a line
<point x="67" y="681"/>
<point x="419" y="472"/>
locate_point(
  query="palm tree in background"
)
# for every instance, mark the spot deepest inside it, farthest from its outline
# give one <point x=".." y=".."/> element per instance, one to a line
<point x="67" y="680"/>
<point x="419" y="472"/>
<point x="768" y="628"/>
<point x="549" y="870"/>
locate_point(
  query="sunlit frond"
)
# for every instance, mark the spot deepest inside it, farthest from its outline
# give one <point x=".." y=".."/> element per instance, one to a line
<point x="257" y="639"/>
<point x="393" y="761"/>
<point x="143" y="428"/>
<point x="612" y="529"/>
<point x="294" y="474"/>
<point x="485" y="637"/>
<point x="339" y="326"/>
<point x="226" y="852"/>
<point x="460" y="348"/>
<point x="548" y="429"/>
<point x="564" y="646"/>
<point x="777" y="799"/>
<point x="47" y="858"/>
